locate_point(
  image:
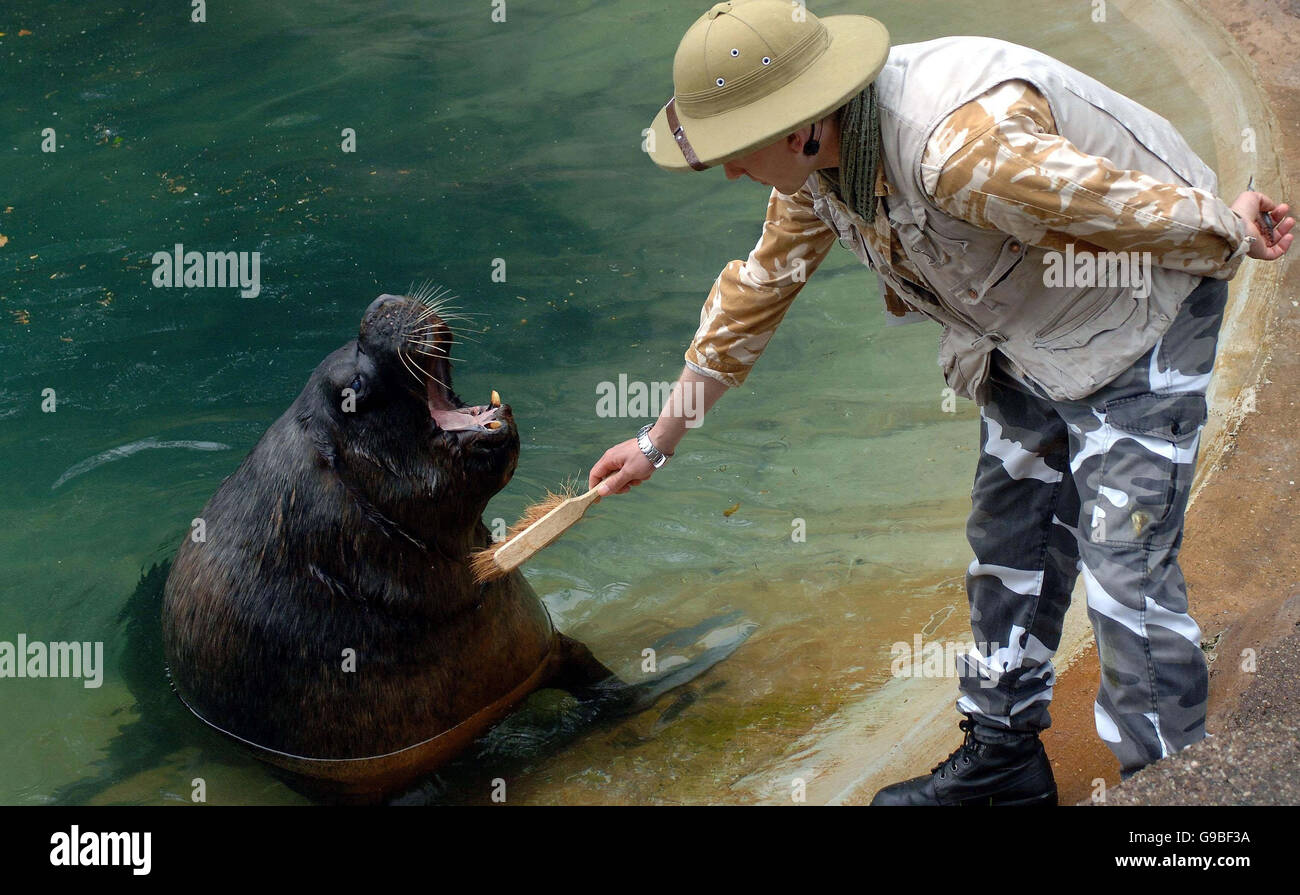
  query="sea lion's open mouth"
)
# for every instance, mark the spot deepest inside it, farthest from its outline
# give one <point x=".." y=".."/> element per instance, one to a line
<point x="450" y="414"/>
<point x="413" y="329"/>
<point x="459" y="417"/>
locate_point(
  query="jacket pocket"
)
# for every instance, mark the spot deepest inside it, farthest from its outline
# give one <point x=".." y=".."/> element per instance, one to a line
<point x="1010" y="256"/>
<point x="950" y="245"/>
<point x="1093" y="310"/>
<point x="965" y="367"/>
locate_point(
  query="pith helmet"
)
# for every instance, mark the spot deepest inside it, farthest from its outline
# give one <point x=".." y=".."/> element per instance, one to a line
<point x="751" y="71"/>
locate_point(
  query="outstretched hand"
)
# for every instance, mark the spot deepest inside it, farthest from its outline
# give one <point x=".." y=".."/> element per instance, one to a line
<point x="1250" y="206"/>
<point x="621" y="467"/>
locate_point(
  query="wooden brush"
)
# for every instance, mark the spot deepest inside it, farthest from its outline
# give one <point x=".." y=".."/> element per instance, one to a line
<point x="540" y="524"/>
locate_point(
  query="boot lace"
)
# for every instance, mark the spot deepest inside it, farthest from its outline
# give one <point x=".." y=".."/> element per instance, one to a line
<point x="962" y="754"/>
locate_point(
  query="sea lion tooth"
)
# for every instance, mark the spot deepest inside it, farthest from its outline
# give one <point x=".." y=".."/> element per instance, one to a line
<point x="496" y="399"/>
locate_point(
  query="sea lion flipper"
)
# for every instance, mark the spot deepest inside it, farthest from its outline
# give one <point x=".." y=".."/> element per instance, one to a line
<point x="642" y="695"/>
<point x="611" y="696"/>
<point x="576" y="669"/>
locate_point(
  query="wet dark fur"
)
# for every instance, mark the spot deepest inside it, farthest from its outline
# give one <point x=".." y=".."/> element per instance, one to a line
<point x="352" y="531"/>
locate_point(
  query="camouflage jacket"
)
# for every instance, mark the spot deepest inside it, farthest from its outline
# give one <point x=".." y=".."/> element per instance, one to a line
<point x="984" y="179"/>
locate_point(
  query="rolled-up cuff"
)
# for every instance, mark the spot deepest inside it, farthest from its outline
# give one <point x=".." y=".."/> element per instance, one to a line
<point x="1230" y="267"/>
<point x="730" y="380"/>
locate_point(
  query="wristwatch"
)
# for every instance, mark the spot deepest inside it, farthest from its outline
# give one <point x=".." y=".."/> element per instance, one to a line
<point x="656" y="457"/>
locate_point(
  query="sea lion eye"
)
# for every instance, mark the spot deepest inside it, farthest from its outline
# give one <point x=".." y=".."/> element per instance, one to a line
<point x="350" y="394"/>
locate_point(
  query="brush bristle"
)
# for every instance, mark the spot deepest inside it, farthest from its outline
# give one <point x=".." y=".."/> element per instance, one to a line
<point x="483" y="562"/>
<point x="483" y="565"/>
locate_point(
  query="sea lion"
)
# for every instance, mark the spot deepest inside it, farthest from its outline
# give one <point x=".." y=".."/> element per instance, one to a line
<point x="329" y="619"/>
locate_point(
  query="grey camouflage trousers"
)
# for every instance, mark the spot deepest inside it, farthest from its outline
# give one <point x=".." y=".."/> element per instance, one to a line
<point x="1098" y="487"/>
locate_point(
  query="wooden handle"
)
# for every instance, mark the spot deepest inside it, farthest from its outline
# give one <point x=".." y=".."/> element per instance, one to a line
<point x="518" y="549"/>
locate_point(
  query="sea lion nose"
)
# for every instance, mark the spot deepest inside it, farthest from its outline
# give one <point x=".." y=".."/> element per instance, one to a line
<point x="380" y="320"/>
<point x="381" y="301"/>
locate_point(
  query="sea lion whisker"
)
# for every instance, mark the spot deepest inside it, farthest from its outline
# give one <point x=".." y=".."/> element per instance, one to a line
<point x="455" y="324"/>
<point x="448" y="319"/>
<point x="443" y="300"/>
<point x="461" y="335"/>
<point x="452" y="323"/>
<point x="440" y="355"/>
<point x="426" y="374"/>
<point x="445" y="304"/>
<point x="420" y="310"/>
<point x="416" y="324"/>
<point x="407" y="362"/>
<point x="428" y="295"/>
<point x="421" y="333"/>
<point x="414" y="375"/>
<point x="438" y="294"/>
<point x="429" y="350"/>
<point x="429" y="291"/>
<point x="458" y="311"/>
<point x="425" y="291"/>
<point x="419" y="367"/>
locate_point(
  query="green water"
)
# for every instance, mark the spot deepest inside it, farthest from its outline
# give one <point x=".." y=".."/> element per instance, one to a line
<point x="476" y="140"/>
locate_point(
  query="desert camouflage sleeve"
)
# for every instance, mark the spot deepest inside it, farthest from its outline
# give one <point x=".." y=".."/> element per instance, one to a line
<point x="749" y="298"/>
<point x="998" y="162"/>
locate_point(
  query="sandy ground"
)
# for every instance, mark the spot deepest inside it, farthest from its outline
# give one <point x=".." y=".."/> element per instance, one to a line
<point x="1239" y="552"/>
<point x="1253" y="757"/>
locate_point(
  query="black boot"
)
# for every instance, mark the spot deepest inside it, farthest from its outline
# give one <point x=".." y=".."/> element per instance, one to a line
<point x="1011" y="771"/>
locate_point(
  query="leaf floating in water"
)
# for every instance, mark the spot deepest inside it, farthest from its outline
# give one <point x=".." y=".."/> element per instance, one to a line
<point x="3" y="239"/>
<point x="731" y="509"/>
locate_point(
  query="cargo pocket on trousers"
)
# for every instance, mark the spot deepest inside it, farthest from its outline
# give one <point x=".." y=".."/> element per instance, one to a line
<point x="1147" y="467"/>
